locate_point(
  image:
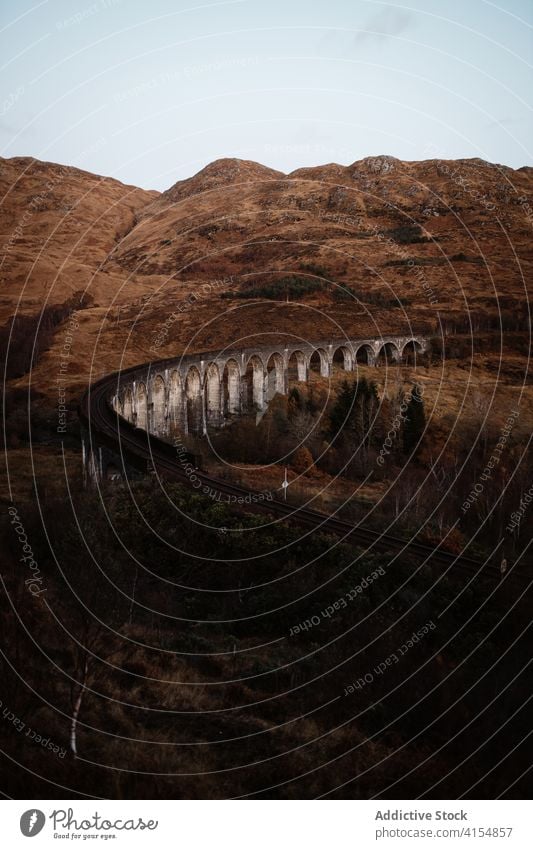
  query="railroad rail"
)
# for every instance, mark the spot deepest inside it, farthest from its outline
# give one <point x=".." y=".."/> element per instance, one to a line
<point x="143" y="451"/>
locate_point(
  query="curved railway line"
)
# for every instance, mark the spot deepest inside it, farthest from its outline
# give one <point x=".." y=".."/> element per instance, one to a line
<point x="143" y="451"/>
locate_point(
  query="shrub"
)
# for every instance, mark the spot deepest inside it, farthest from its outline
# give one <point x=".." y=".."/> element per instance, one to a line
<point x="24" y="338"/>
<point x="302" y="460"/>
<point x="286" y="287"/>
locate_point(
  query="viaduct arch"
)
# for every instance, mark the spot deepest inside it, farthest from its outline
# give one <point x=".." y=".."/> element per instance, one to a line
<point x="198" y="391"/>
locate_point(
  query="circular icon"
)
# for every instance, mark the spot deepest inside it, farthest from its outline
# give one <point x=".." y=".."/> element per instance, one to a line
<point x="32" y="822"/>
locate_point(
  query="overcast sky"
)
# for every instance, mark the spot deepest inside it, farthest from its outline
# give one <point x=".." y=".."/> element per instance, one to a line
<point x="150" y="91"/>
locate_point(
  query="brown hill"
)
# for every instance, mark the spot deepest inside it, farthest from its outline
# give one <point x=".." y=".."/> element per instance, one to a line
<point x="384" y="245"/>
<point x="423" y="232"/>
<point x="221" y="173"/>
<point x="57" y="226"/>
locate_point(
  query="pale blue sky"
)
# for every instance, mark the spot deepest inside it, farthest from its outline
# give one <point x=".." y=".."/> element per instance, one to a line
<point x="150" y="92"/>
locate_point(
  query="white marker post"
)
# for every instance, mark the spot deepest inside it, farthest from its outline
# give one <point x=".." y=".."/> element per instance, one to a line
<point x="285" y="485"/>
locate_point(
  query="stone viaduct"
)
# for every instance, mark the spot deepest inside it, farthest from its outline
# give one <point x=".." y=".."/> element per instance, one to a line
<point x="194" y="392"/>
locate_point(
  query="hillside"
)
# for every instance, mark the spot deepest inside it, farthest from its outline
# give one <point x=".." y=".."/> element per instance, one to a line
<point x="57" y="226"/>
<point x="362" y="224"/>
<point x="382" y="244"/>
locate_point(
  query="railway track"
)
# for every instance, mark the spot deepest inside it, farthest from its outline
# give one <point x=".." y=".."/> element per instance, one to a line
<point x="144" y="452"/>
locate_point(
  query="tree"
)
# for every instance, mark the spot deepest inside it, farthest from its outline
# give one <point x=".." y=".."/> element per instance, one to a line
<point x="415" y="422"/>
<point x="354" y="411"/>
<point x="302" y="460"/>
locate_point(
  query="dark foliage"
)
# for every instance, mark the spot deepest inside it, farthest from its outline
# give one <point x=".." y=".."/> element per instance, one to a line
<point x="414" y="423"/>
<point x="199" y="682"/>
<point x="25" y="338"/>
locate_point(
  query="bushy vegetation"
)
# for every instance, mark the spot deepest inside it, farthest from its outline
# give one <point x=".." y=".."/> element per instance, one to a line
<point x="316" y="270"/>
<point x="414" y="423"/>
<point x="25" y="338"/>
<point x="354" y="410"/>
<point x="433" y="260"/>
<point x="296" y="287"/>
<point x="377" y="297"/>
<point x="198" y="681"/>
<point x="286" y="288"/>
<point x="408" y="262"/>
<point x="407" y="234"/>
<point x="17" y="421"/>
<point x="357" y="435"/>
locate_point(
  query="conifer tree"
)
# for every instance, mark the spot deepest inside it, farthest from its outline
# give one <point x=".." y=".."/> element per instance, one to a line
<point x="415" y="422"/>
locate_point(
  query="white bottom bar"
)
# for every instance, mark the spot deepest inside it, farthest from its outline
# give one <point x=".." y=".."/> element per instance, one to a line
<point x="267" y="824"/>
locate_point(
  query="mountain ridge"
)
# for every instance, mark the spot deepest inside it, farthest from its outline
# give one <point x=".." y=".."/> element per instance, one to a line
<point x="380" y="243"/>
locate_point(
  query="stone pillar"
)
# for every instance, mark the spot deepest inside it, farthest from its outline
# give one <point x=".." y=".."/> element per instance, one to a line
<point x="184" y="411"/>
<point x="264" y="395"/>
<point x="329" y="364"/>
<point x="84" y="462"/>
<point x="166" y="409"/>
<point x="221" y="400"/>
<point x="233" y="404"/>
<point x="243" y="394"/>
<point x="258" y="387"/>
<point x="212" y="395"/>
<point x="134" y="403"/>
<point x="204" y="407"/>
